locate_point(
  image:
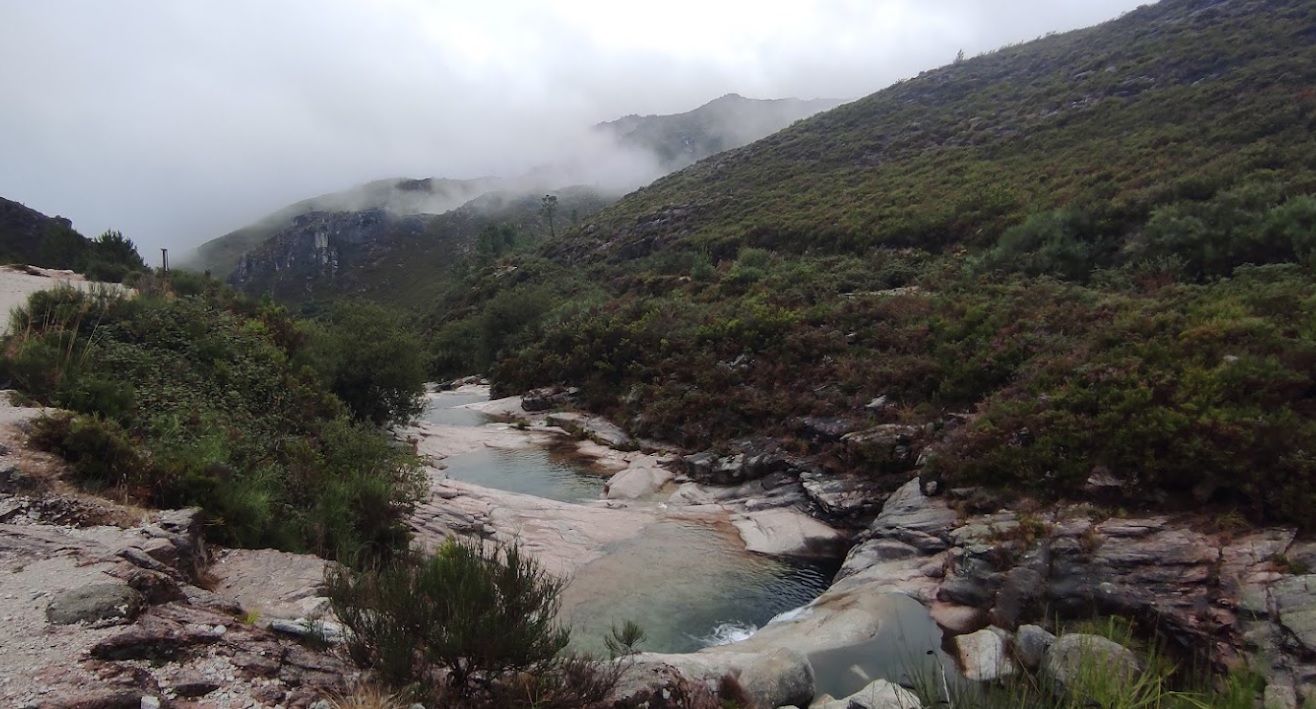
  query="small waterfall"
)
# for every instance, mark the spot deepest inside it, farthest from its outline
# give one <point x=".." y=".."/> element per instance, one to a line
<point x="727" y="633"/>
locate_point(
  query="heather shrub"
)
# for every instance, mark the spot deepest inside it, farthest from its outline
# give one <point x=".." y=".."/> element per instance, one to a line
<point x="206" y="399"/>
<point x="469" y="626"/>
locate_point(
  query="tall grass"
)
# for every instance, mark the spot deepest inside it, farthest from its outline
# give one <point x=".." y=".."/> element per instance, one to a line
<point x="1159" y="683"/>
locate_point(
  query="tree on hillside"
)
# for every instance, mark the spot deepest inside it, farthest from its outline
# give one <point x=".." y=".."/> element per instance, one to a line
<point x="548" y="209"/>
<point x="372" y="360"/>
<point x="112" y="246"/>
<point x="494" y="240"/>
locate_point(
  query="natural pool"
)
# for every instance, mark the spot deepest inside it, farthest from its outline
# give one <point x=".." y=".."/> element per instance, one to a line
<point x="687" y="581"/>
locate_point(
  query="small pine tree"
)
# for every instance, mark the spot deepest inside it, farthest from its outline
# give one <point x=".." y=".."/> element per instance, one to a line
<point x="548" y="206"/>
<point x="480" y="613"/>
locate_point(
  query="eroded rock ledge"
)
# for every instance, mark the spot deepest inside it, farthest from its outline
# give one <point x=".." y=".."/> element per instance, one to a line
<point x="104" y="616"/>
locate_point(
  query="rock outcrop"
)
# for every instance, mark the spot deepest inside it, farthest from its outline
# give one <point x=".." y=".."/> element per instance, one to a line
<point x="786" y="532"/>
<point x="111" y="603"/>
<point x="984" y="655"/>
<point x="1066" y="659"/>
<point x="879" y="694"/>
<point x="774" y="678"/>
<point x="94" y="618"/>
<point x="103" y="605"/>
<point x="1227" y="595"/>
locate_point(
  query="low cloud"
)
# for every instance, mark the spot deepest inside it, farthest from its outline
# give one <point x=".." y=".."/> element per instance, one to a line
<point x="178" y="121"/>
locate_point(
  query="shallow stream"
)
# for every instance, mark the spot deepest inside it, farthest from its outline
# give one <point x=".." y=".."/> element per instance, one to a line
<point x="688" y="582"/>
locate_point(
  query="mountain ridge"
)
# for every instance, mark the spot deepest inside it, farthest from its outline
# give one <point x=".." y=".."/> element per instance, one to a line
<point x="670" y="140"/>
<point x="1003" y="107"/>
<point x="1019" y="271"/>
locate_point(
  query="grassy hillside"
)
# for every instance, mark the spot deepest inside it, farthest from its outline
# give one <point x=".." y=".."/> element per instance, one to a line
<point x="1175" y="100"/>
<point x="1091" y="253"/>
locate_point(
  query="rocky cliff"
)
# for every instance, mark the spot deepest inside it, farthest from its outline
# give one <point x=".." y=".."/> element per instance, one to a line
<point x="394" y="258"/>
<point x="317" y="246"/>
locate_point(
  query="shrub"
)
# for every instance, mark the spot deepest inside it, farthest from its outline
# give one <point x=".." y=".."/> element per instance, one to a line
<point x="368" y="697"/>
<point x="1059" y="244"/>
<point x="1294" y="223"/>
<point x="109" y="257"/>
<point x="477" y="612"/>
<point x="197" y="400"/>
<point x="371" y="360"/>
<point x="1250" y="224"/>
<point x="99" y="449"/>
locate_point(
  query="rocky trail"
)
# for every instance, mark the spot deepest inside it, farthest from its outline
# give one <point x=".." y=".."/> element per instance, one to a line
<point x="106" y="605"/>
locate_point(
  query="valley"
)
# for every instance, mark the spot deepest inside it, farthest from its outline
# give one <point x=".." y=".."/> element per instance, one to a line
<point x="995" y="387"/>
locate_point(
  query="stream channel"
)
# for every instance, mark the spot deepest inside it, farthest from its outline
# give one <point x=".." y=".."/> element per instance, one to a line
<point x="689" y="583"/>
<point x="686" y="577"/>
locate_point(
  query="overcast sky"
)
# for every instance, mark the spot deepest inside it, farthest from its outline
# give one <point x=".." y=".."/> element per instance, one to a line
<point x="178" y="120"/>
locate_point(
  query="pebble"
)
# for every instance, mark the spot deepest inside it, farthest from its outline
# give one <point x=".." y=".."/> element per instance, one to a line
<point x="149" y="702"/>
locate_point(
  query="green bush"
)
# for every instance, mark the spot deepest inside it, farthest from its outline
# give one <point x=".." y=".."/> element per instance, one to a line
<point x="109" y="257"/>
<point x="212" y="396"/>
<point x="100" y="451"/>
<point x="1198" y="391"/>
<point x="1294" y="223"/>
<point x="480" y="614"/>
<point x="1059" y="244"/>
<point x="371" y="360"/>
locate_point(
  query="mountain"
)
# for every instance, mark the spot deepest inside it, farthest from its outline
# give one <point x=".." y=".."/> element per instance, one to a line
<point x="1084" y="258"/>
<point x="397" y="196"/>
<point x="1178" y="98"/>
<point x="398" y="259"/>
<point x="667" y="141"/>
<point x="728" y="122"/>
<point x="30" y="237"/>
